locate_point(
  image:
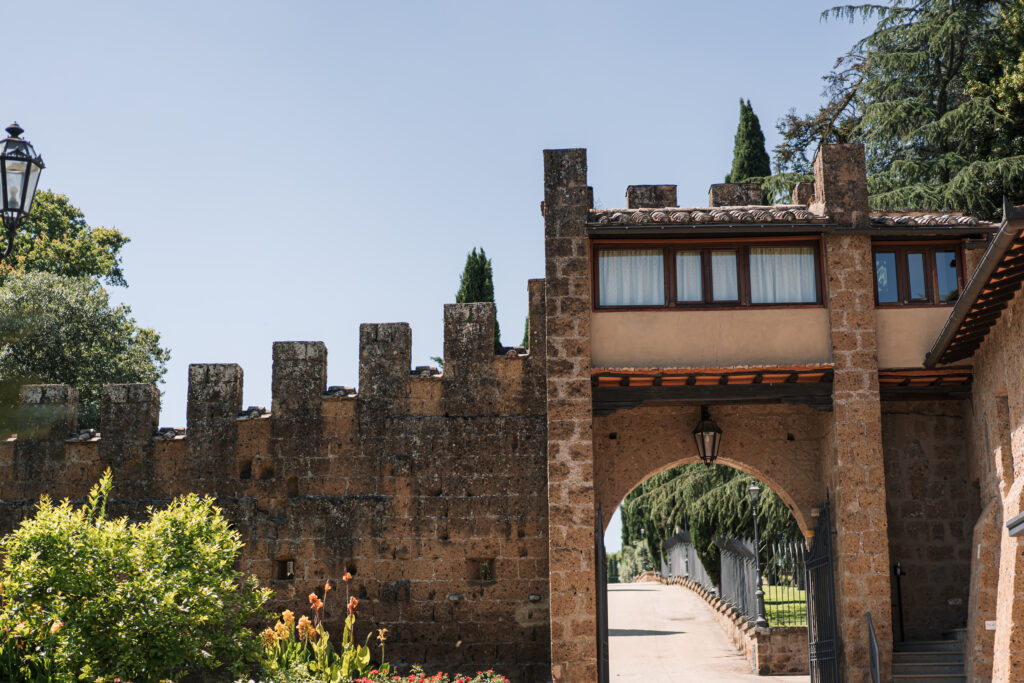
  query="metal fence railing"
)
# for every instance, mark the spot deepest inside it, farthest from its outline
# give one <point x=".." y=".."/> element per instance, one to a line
<point x="679" y="558"/>
<point x="785" y="584"/>
<point x="783" y="580"/>
<point x="782" y="568"/>
<point x="739" y="575"/>
<point x="872" y="650"/>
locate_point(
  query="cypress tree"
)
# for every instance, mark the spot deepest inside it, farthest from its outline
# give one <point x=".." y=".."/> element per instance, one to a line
<point x="749" y="158"/>
<point x="477" y="284"/>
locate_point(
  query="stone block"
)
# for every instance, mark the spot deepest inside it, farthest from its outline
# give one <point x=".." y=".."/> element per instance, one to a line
<point x="650" y="196"/>
<point x="734" y="194"/>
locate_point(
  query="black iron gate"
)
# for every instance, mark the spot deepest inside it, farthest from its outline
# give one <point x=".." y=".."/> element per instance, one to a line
<point x="822" y="633"/>
<point x="601" y="569"/>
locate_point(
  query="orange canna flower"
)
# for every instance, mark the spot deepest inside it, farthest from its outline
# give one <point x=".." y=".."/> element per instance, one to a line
<point x="347" y="577"/>
<point x="280" y="631"/>
<point x="306" y="631"/>
<point x="269" y="637"/>
<point x="382" y="634"/>
<point x="288" y="617"/>
<point x="56" y="627"/>
<point x="353" y="603"/>
<point x="327" y="588"/>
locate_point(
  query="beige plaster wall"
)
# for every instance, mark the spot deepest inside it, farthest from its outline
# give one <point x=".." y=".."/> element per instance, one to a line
<point x="722" y="338"/>
<point x="905" y="334"/>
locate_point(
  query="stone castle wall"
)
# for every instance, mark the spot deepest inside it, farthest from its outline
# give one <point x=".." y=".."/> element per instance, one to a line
<point x="411" y="484"/>
<point x="995" y="422"/>
<point x="931" y="508"/>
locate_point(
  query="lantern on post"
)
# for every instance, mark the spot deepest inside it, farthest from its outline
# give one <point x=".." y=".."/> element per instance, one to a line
<point x="19" y="175"/>
<point x="754" y="491"/>
<point x="708" y="436"/>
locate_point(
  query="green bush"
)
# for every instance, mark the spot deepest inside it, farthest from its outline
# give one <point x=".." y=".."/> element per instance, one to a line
<point x="86" y="597"/>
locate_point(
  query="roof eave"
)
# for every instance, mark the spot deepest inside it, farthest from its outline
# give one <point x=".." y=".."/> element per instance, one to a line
<point x="1012" y="224"/>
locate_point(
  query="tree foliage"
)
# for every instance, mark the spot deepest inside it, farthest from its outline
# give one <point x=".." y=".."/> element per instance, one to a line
<point x="55" y="238"/>
<point x="90" y="597"/>
<point x="749" y="158"/>
<point x="477" y="284"/>
<point x="936" y="94"/>
<point x="707" y="501"/>
<point x="630" y="563"/>
<point x="63" y="330"/>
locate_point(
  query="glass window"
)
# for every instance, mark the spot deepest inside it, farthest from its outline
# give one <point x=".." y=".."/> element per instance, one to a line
<point x="945" y="275"/>
<point x="782" y="275"/>
<point x="689" y="277"/>
<point x="885" y="277"/>
<point x="915" y="270"/>
<point x="724" y="285"/>
<point x="631" y="277"/>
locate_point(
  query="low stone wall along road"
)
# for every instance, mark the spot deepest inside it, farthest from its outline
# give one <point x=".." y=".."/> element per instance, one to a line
<point x="666" y="634"/>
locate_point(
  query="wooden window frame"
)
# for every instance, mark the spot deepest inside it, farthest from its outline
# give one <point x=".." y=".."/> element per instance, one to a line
<point x="902" y="249"/>
<point x="742" y="248"/>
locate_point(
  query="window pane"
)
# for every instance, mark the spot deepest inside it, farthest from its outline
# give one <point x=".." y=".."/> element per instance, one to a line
<point x="631" y="277"/>
<point x="885" y="277"/>
<point x="915" y="268"/>
<point x="689" y="278"/>
<point x="723" y="276"/>
<point x="945" y="274"/>
<point x="782" y="275"/>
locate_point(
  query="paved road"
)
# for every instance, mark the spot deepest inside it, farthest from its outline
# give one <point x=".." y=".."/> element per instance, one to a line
<point x="666" y="634"/>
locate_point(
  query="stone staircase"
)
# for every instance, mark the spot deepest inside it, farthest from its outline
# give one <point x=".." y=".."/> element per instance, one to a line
<point x="930" y="661"/>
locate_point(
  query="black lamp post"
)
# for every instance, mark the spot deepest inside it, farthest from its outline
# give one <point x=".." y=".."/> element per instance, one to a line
<point x="754" y="491"/>
<point x="19" y="175"/>
<point x="708" y="436"/>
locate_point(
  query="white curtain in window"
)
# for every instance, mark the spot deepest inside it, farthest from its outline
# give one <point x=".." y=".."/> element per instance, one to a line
<point x="631" y="277"/>
<point x="782" y="275"/>
<point x="689" y="277"/>
<point x="724" y="286"/>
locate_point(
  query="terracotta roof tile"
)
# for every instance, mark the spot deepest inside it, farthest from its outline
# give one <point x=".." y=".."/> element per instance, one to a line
<point x="922" y="219"/>
<point x="698" y="216"/>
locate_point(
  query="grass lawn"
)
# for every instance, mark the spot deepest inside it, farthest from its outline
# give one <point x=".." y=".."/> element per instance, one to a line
<point x="785" y="606"/>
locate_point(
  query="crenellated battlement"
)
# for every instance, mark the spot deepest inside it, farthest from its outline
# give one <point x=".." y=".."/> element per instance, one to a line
<point x="475" y="381"/>
<point x="409" y="481"/>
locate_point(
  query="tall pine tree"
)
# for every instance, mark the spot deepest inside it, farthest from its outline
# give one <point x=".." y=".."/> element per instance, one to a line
<point x="749" y="158"/>
<point x="933" y="93"/>
<point x="477" y="284"/>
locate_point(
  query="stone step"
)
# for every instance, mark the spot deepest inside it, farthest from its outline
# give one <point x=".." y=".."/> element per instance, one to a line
<point x="928" y="646"/>
<point x="928" y="668"/>
<point x="930" y="678"/>
<point x="959" y="634"/>
<point x="928" y="657"/>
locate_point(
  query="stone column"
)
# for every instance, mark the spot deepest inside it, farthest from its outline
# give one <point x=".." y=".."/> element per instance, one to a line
<point x="571" y="505"/>
<point x="854" y="466"/>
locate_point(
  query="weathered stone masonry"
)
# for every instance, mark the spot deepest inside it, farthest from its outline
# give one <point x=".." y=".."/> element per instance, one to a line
<point x="411" y="484"/>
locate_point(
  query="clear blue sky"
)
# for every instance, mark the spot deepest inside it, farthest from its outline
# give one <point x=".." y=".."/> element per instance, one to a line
<point x="287" y="170"/>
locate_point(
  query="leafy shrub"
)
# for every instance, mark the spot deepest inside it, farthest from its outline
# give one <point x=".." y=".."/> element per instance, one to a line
<point x="86" y="597"/>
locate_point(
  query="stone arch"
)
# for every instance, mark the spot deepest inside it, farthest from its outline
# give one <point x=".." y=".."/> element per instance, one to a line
<point x="778" y="444"/>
